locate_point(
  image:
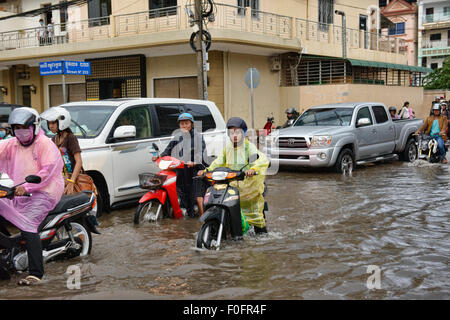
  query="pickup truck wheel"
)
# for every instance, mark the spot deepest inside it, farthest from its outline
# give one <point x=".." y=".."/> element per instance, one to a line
<point x="345" y="161"/>
<point x="410" y="152"/>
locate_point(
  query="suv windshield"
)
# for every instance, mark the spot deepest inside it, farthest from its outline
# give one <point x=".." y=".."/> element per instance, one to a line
<point x="325" y="117"/>
<point x="87" y="121"/>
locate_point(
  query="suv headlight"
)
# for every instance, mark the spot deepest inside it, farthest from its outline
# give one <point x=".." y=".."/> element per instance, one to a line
<point x="320" y="141"/>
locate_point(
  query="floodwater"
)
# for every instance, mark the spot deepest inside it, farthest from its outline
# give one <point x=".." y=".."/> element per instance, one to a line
<point x="330" y="237"/>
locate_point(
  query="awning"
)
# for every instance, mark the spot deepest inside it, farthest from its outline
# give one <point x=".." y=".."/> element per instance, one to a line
<point x="375" y="64"/>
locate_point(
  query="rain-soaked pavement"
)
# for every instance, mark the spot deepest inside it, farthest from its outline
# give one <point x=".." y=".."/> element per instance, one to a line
<point x="328" y="233"/>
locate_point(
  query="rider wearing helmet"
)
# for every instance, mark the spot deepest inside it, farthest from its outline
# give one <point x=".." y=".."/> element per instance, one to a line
<point x="5" y="131"/>
<point x="241" y="154"/>
<point x="58" y="121"/>
<point x="393" y="112"/>
<point x="436" y="127"/>
<point x="292" y="115"/>
<point x="30" y="153"/>
<point x="189" y="146"/>
<point x="445" y="112"/>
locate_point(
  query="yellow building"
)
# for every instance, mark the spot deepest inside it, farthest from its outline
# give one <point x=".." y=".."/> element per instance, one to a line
<point x="141" y="48"/>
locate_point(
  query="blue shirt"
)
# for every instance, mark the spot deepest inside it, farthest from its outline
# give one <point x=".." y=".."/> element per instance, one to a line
<point x="435" y="128"/>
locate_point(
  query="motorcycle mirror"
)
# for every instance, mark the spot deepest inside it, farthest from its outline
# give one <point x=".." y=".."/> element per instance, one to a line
<point x="33" y="179"/>
<point x="253" y="158"/>
<point x="155" y="146"/>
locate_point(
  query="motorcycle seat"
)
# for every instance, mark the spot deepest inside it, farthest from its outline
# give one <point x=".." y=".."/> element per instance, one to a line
<point x="66" y="202"/>
<point x="70" y="201"/>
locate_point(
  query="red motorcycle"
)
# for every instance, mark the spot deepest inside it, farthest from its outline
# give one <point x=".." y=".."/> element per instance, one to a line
<point x="266" y="130"/>
<point x="163" y="192"/>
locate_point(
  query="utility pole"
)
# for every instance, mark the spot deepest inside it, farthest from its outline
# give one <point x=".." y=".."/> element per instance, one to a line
<point x="201" y="54"/>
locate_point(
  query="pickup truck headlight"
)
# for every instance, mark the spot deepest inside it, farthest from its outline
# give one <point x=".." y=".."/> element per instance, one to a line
<point x="320" y="141"/>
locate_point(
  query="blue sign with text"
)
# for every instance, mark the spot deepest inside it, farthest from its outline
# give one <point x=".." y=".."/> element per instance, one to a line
<point x="77" y="67"/>
<point x="65" y="67"/>
<point x="50" y="68"/>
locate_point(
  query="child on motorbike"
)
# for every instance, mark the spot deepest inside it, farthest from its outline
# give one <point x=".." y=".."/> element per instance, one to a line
<point x="237" y="155"/>
<point x="188" y="145"/>
<point x="30" y="153"/>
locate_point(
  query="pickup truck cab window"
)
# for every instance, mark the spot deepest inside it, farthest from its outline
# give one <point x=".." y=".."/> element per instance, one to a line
<point x="380" y="114"/>
<point x="364" y="113"/>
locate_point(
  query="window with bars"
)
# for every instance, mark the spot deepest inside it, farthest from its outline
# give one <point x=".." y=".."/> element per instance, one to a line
<point x="398" y="28"/>
<point x="99" y="12"/>
<point x="252" y="4"/>
<point x="160" y="8"/>
<point x="326" y="14"/>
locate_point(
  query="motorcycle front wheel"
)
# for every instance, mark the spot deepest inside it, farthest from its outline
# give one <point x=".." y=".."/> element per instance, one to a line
<point x="148" y="211"/>
<point x="207" y="236"/>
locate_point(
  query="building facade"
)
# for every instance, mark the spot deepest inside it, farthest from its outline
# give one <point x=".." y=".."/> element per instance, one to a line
<point x="434" y="32"/>
<point x="141" y="48"/>
<point x="404" y="16"/>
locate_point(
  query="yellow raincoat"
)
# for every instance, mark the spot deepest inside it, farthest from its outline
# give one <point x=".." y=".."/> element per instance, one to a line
<point x="251" y="188"/>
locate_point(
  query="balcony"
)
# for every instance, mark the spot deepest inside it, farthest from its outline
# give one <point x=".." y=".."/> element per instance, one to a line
<point x="436" y="21"/>
<point x="171" y="25"/>
<point x="435" y="48"/>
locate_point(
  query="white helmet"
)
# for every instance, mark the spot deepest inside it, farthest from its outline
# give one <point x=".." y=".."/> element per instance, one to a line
<point x="58" y="114"/>
<point x="25" y="116"/>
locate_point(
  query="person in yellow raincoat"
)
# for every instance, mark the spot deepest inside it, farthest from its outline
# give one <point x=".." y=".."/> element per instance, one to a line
<point x="241" y="154"/>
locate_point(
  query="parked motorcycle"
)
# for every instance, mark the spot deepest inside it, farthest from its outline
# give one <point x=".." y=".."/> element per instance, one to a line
<point x="64" y="233"/>
<point x="154" y="204"/>
<point x="427" y="148"/>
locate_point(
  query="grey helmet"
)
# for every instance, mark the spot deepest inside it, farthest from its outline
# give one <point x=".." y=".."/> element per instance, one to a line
<point x="436" y="106"/>
<point x="25" y="116"/>
<point x="392" y="108"/>
<point x="290" y="110"/>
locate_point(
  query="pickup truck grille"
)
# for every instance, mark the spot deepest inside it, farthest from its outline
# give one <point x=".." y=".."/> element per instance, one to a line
<point x="286" y="142"/>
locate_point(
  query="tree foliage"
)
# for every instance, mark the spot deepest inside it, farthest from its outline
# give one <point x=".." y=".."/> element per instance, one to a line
<point x="439" y="78"/>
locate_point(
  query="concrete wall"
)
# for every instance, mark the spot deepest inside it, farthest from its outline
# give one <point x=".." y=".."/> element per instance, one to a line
<point x="305" y="97"/>
<point x="237" y="94"/>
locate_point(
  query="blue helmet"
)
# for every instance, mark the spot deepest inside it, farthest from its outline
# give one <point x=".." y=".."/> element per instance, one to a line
<point x="185" y="116"/>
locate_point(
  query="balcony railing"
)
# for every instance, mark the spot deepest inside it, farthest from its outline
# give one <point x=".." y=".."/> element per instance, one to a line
<point x="174" y="18"/>
<point x="437" y="17"/>
<point x="436" y="44"/>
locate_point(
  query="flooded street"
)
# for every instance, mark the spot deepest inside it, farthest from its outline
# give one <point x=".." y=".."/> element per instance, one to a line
<point x="325" y="230"/>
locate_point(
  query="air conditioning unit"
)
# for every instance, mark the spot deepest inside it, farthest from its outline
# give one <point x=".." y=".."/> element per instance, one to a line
<point x="275" y="63"/>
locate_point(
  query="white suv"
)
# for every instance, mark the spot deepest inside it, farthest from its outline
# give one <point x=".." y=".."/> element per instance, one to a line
<point x="116" y="138"/>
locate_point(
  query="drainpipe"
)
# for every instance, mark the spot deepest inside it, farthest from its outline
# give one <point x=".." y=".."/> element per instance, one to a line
<point x="344" y="41"/>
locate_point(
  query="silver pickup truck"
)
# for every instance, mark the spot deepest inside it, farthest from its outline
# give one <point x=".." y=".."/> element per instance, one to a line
<point x="343" y="135"/>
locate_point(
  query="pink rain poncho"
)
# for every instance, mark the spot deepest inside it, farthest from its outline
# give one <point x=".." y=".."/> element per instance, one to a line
<point x="43" y="159"/>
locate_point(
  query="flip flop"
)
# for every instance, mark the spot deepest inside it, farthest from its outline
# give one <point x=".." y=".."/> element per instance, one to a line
<point x="29" y="280"/>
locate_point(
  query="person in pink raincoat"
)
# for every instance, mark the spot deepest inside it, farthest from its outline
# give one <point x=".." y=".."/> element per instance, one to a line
<point x="30" y="153"/>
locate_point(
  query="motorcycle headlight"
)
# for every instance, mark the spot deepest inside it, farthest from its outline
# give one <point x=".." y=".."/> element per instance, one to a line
<point x="320" y="141"/>
<point x="219" y="176"/>
<point x="424" y="145"/>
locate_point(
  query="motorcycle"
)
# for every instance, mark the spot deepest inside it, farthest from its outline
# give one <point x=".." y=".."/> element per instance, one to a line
<point x="267" y="129"/>
<point x="161" y="186"/>
<point x="223" y="214"/>
<point x="64" y="233"/>
<point x="427" y="148"/>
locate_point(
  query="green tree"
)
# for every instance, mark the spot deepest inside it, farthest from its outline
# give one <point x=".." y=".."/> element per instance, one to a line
<point x="439" y="78"/>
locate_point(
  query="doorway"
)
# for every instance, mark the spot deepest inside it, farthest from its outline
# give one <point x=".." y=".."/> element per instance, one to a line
<point x="112" y="88"/>
<point x="363" y="26"/>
